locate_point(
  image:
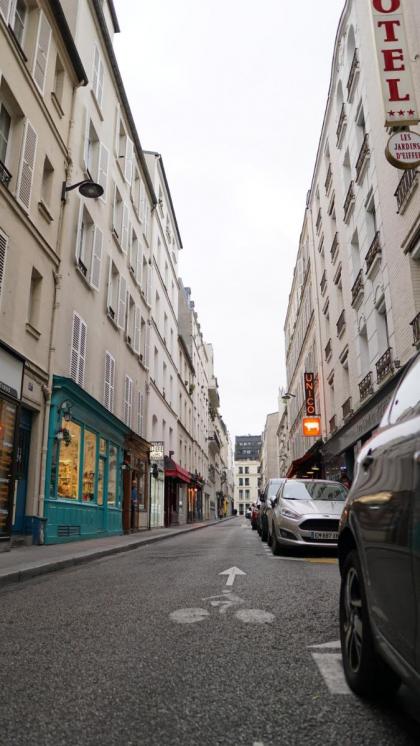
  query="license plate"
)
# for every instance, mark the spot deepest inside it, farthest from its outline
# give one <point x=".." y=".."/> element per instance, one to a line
<point x="325" y="535"/>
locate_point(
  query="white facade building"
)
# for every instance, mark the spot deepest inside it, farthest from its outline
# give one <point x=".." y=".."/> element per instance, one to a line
<point x="247" y="483"/>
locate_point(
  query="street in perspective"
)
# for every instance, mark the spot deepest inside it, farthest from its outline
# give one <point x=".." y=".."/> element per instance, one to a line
<point x="209" y="373"/>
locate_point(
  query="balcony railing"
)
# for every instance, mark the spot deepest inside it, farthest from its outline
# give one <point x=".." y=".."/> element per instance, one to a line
<point x="357" y="288"/>
<point x="354" y="68"/>
<point x="333" y="424"/>
<point x="342" y="124"/>
<point x="349" y="201"/>
<point x="374" y="251"/>
<point x="363" y="157"/>
<point x="5" y="175"/>
<point x="415" y="323"/>
<point x="405" y="188"/>
<point x="334" y="248"/>
<point x="347" y="410"/>
<point x="323" y="282"/>
<point x="384" y="366"/>
<point x="328" y="350"/>
<point x="366" y="387"/>
<point x="341" y="323"/>
<point x="328" y="180"/>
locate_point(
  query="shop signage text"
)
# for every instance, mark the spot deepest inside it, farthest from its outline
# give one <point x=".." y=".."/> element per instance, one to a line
<point x="403" y="150"/>
<point x="157" y="450"/>
<point x="309" y="381"/>
<point x="394" y="63"/>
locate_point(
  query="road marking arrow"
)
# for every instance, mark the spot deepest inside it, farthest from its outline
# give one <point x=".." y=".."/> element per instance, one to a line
<point x="232" y="572"/>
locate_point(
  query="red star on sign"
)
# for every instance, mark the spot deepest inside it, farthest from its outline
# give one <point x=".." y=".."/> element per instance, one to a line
<point x="391" y="113"/>
<point x="401" y="113"/>
<point x="411" y="112"/>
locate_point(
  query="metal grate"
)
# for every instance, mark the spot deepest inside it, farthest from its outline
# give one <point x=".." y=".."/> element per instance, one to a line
<point x="63" y="531"/>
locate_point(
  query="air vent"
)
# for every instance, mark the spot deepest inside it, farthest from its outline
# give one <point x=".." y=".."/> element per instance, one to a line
<point x="68" y="531"/>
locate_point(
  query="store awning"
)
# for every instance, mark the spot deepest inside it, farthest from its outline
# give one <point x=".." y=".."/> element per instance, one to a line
<point x="310" y="457"/>
<point x="174" y="471"/>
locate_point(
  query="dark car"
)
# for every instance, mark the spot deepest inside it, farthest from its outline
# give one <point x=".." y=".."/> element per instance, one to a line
<point x="379" y="552"/>
<point x="267" y="495"/>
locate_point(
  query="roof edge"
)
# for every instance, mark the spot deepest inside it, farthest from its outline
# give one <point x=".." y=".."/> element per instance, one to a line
<point x="67" y="37"/>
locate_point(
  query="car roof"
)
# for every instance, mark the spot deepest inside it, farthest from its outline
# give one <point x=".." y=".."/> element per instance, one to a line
<point x="318" y="481"/>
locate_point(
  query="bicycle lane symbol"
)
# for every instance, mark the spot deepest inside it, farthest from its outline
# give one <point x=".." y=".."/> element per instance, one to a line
<point x="223" y="602"/>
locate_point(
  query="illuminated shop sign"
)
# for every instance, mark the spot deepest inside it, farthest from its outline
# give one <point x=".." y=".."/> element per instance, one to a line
<point x="309" y="381"/>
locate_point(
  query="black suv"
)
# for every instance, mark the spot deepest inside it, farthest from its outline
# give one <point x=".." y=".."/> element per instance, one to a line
<point x="379" y="552"/>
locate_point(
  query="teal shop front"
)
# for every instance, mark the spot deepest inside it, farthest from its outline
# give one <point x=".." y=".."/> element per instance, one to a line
<point x="84" y="486"/>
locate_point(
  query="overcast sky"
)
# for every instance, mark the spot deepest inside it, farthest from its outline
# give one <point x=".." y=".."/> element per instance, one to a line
<point x="232" y="93"/>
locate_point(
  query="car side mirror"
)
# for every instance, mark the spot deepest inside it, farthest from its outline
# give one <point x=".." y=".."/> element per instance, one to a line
<point x="262" y="499"/>
<point x="273" y="502"/>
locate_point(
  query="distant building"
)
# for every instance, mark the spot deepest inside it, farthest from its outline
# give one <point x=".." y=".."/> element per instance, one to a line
<point x="247" y="471"/>
<point x="247" y="447"/>
<point x="269" y="448"/>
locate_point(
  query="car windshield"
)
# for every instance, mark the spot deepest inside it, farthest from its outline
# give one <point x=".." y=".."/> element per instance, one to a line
<point x="294" y="490"/>
<point x="273" y="487"/>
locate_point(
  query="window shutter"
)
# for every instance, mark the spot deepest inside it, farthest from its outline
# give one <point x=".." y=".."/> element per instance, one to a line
<point x="128" y="165"/>
<point x="95" y="269"/>
<point x="82" y="354"/>
<point x="79" y="234"/>
<point x="140" y="413"/>
<point x="109" y="298"/>
<point x="138" y="268"/>
<point x="5" y="9"/>
<point x="100" y="88"/>
<point x="78" y="349"/>
<point x="27" y="165"/>
<point x="115" y="226"/>
<point x="149" y="284"/>
<point x="122" y="302"/>
<point x="128" y="400"/>
<point x="103" y="169"/>
<point x="124" y="229"/>
<point x="147" y="346"/>
<point x="3" y="249"/>
<point x="117" y="132"/>
<point x="137" y="322"/>
<point x="41" y="56"/>
<point x="95" y="71"/>
<point x="85" y="154"/>
<point x="109" y="381"/>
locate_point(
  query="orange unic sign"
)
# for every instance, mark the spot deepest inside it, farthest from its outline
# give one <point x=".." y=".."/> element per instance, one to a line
<point x="311" y="427"/>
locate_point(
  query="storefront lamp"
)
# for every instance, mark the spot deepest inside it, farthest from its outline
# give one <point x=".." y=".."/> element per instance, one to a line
<point x="87" y="188"/>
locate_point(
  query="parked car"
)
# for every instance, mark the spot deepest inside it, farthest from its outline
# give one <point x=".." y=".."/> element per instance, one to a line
<point x="248" y="513"/>
<point x="255" y="509"/>
<point x="379" y="552"/>
<point x="306" y="512"/>
<point x="269" y="492"/>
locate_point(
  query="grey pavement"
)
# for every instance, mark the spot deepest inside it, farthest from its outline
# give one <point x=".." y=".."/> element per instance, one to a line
<point x="152" y="648"/>
<point x="24" y="562"/>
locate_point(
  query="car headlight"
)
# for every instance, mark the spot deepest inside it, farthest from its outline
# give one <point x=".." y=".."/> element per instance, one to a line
<point x="288" y="513"/>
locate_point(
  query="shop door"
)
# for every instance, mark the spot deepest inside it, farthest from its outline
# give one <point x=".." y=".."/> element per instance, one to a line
<point x="22" y="463"/>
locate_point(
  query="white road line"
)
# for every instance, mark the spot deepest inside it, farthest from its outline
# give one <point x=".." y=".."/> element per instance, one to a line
<point x="331" y="668"/>
<point x="332" y="645"/>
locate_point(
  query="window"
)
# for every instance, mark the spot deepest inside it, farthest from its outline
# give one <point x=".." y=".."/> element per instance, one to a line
<point x="128" y="400"/>
<point x="58" y="89"/>
<point x="17" y="20"/>
<point x="241" y="481"/>
<point x="109" y="381"/>
<point x="97" y="76"/>
<point x="95" y="157"/>
<point x="69" y="463"/>
<point x="246" y="494"/>
<point x="241" y="494"/>
<point x="241" y="470"/>
<point x="136" y="258"/>
<point x="89" y="466"/>
<point x="5" y="122"/>
<point x="124" y="150"/>
<point x="246" y="469"/>
<point x="78" y="349"/>
<point x="41" y="54"/>
<point x="140" y="414"/>
<point x="3" y="251"/>
<point x="407" y="399"/>
<point x="133" y="325"/>
<point x="120" y="223"/>
<point x="112" y="475"/>
<point x="247" y="480"/>
<point x="47" y="181"/>
<point x="34" y="298"/>
<point x="89" y="248"/>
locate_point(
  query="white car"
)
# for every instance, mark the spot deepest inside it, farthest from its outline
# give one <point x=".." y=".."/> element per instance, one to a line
<point x="306" y="512"/>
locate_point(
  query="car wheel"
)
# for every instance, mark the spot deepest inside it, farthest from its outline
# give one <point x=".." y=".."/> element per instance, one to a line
<point x="366" y="672"/>
<point x="264" y="532"/>
<point x="275" y="544"/>
<point x="269" y="538"/>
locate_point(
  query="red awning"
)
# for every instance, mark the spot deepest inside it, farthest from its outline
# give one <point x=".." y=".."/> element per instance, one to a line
<point x="310" y="455"/>
<point x="177" y="472"/>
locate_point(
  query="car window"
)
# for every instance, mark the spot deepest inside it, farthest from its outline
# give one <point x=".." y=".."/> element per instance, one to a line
<point x="273" y="488"/>
<point x="406" y="403"/>
<point x="295" y="490"/>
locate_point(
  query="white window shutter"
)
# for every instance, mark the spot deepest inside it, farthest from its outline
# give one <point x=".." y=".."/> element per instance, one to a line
<point x="5" y="9"/>
<point x="26" y="173"/>
<point x="149" y="284"/>
<point x="41" y="55"/>
<point x="79" y="234"/>
<point x="103" y="169"/>
<point x="147" y="346"/>
<point x="124" y="229"/>
<point x="82" y="354"/>
<point x="115" y="226"/>
<point x="117" y="132"/>
<point x="137" y="322"/>
<point x="100" y="88"/>
<point x="3" y="251"/>
<point x="78" y="349"/>
<point x="140" y="413"/>
<point x="139" y="266"/>
<point x="109" y="297"/>
<point x="95" y="71"/>
<point x="122" y="302"/>
<point x="109" y="381"/>
<point x="85" y="154"/>
<point x="128" y="400"/>
<point x="128" y="164"/>
<point x="95" y="269"/>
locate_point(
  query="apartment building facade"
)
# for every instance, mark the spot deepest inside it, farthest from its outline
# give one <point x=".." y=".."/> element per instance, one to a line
<point x="247" y="471"/>
<point x="40" y="73"/>
<point x="363" y="222"/>
<point x="269" y="448"/>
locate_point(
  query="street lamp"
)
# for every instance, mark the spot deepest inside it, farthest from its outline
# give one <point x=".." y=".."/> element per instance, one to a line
<point x="288" y="395"/>
<point x="87" y="188"/>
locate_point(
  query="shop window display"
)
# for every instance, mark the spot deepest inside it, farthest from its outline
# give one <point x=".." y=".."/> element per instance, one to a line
<point x="69" y="463"/>
<point x="112" y="475"/>
<point x="89" y="466"/>
<point x="7" y="429"/>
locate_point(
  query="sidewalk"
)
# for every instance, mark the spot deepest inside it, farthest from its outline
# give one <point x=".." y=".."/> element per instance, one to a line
<point x="22" y="563"/>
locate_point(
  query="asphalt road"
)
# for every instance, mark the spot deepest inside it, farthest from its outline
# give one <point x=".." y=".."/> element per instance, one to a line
<point x="111" y="653"/>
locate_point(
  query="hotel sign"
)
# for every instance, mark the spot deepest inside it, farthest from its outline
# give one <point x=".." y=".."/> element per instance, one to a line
<point x="309" y="380"/>
<point x="394" y="63"/>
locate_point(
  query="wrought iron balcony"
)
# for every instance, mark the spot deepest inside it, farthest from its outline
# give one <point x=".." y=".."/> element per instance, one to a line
<point x="342" y="124"/>
<point x="341" y="323"/>
<point x="334" y="248"/>
<point x="333" y="424"/>
<point x="323" y="282"/>
<point x="362" y="158"/>
<point x="5" y="175"/>
<point x="384" y="366"/>
<point x="349" y="201"/>
<point x="366" y="387"/>
<point x="415" y="323"/>
<point x="347" y="410"/>
<point x="352" y="75"/>
<point x="328" y="180"/>
<point x="407" y="184"/>
<point x="318" y="223"/>
<point x="357" y="288"/>
<point x="328" y="350"/>
<point x="374" y="251"/>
